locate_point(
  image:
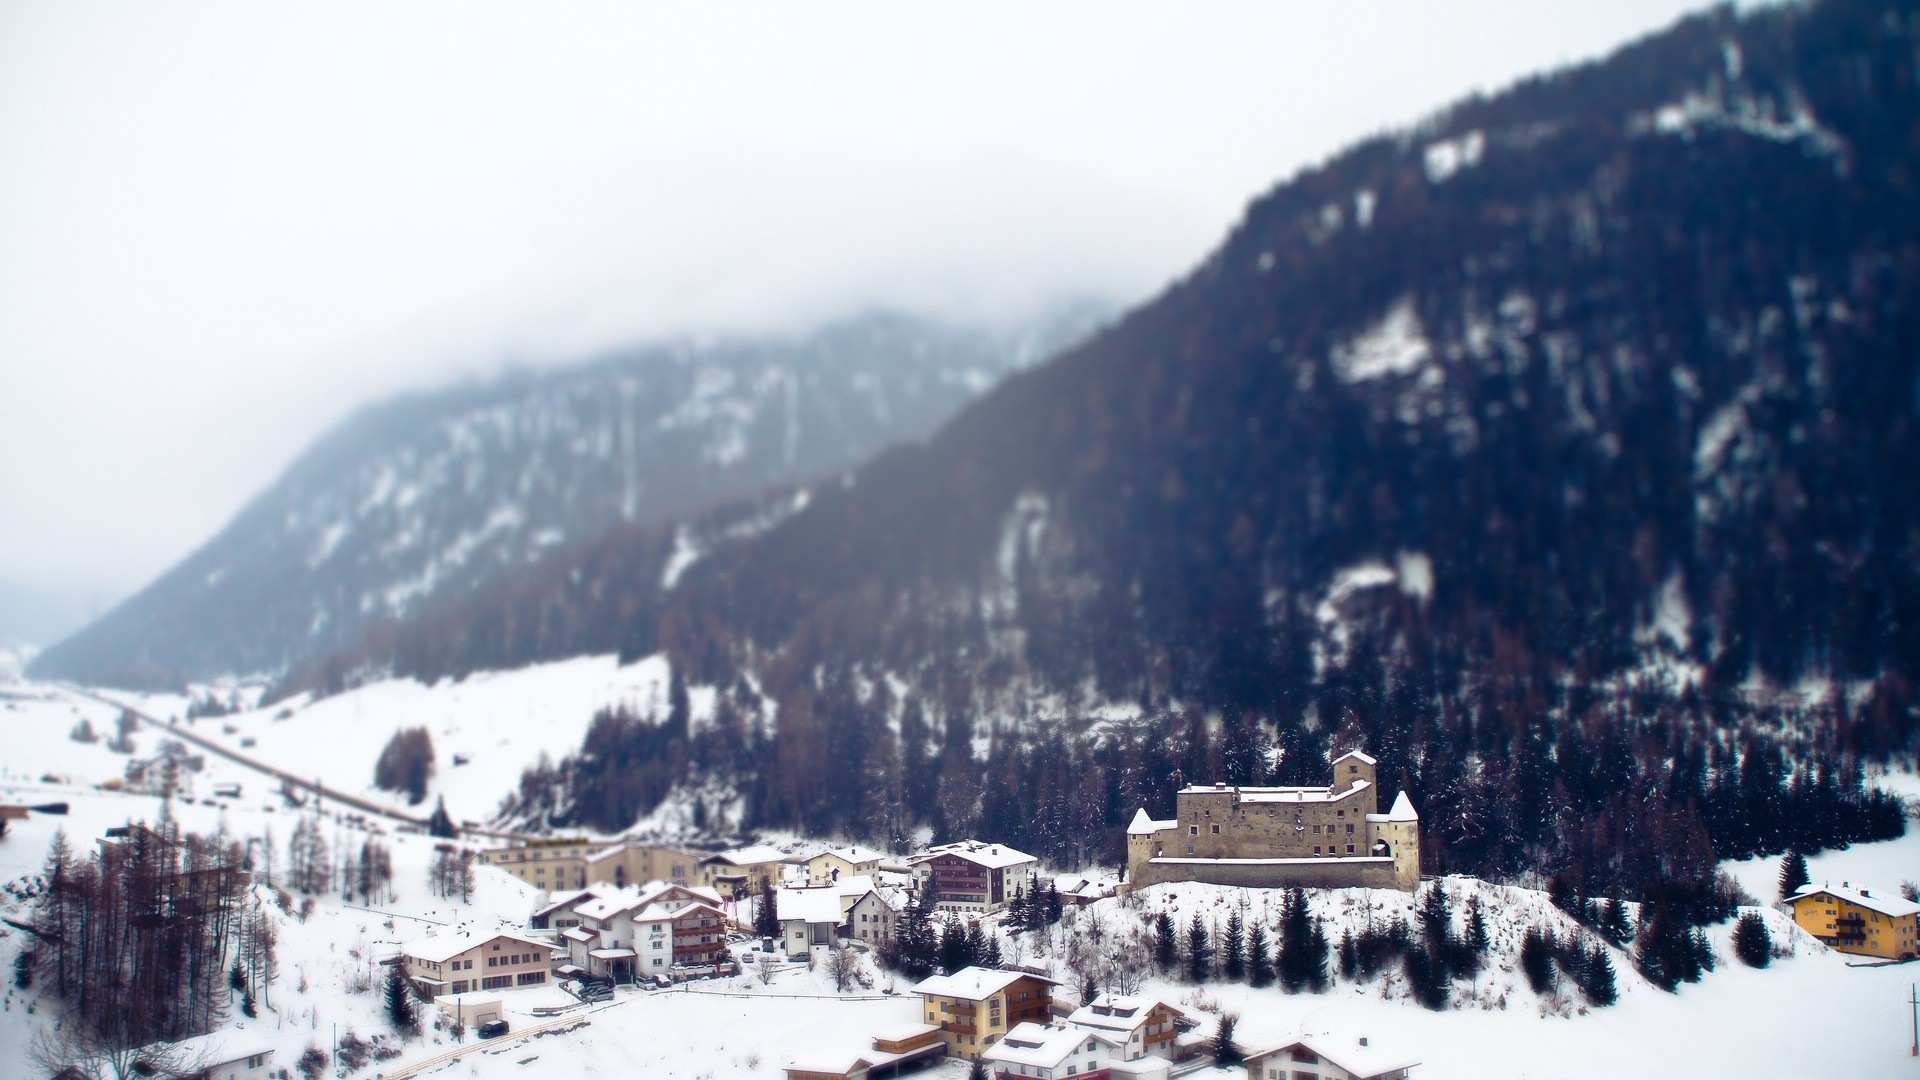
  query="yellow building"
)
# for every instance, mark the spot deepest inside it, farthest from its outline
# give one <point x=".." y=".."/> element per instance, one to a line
<point x="547" y="864"/>
<point x="1856" y="921"/>
<point x="975" y="1006"/>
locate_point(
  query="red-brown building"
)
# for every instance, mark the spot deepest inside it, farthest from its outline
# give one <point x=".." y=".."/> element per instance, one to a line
<point x="971" y="877"/>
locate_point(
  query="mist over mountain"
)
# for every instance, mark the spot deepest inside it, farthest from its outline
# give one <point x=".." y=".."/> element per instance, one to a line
<point x="1557" y="450"/>
<point x="443" y="493"/>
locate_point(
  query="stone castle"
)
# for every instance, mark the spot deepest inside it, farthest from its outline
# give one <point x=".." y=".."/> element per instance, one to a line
<point x="1272" y="837"/>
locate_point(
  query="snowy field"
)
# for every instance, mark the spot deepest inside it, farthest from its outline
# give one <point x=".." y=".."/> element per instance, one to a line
<point x="1813" y="1013"/>
<point x="499" y="722"/>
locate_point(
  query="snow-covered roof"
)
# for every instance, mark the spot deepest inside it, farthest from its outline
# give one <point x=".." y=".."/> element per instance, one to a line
<point x="1277" y="794"/>
<point x="821" y="905"/>
<point x="439" y="948"/>
<point x="1110" y="1012"/>
<point x="635" y="897"/>
<point x="1893" y="907"/>
<point x="669" y="910"/>
<point x="991" y="856"/>
<point x="747" y="856"/>
<point x="211" y="1050"/>
<point x="578" y="933"/>
<point x="1402" y="810"/>
<point x="1143" y="825"/>
<point x="1042" y="1045"/>
<point x="569" y="899"/>
<point x="1360" y="1062"/>
<point x="975" y="983"/>
<point x="853" y="854"/>
<point x="1357" y="755"/>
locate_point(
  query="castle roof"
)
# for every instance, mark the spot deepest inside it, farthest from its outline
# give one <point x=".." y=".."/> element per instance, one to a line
<point x="1145" y="826"/>
<point x="1359" y="754"/>
<point x="1276" y="794"/>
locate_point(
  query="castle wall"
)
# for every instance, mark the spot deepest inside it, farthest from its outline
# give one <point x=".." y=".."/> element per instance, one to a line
<point x="1341" y="873"/>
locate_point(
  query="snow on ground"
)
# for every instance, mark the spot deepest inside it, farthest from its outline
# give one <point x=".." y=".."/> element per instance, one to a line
<point x="1737" y="1022"/>
<point x="500" y="721"/>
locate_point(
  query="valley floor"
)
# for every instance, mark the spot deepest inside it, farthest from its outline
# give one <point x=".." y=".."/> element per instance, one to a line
<point x="1813" y="1013"/>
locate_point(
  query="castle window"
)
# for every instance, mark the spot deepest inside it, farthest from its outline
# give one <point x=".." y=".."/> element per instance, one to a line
<point x="1316" y="849"/>
<point x="1193" y="830"/>
<point x="1189" y="849"/>
<point x="1349" y="849"/>
<point x="1216" y="830"/>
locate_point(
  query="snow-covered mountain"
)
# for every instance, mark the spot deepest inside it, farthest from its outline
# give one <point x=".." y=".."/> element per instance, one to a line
<point x="443" y="493"/>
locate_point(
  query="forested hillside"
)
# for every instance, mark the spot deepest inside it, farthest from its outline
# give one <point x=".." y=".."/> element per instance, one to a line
<point x="1557" y="451"/>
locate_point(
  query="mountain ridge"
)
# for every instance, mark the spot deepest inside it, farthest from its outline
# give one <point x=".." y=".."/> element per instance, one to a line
<point x="443" y="492"/>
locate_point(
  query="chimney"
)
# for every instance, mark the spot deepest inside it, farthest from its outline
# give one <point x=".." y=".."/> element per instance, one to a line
<point x="1363" y="1040"/>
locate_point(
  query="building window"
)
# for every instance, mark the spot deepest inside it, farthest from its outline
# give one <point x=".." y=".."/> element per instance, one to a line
<point x="1193" y="830"/>
<point x="1349" y="849"/>
<point x="1216" y="830"/>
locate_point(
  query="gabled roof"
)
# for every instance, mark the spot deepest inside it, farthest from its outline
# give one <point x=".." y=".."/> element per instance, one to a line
<point x="975" y="983"/>
<point x="1891" y="906"/>
<point x="991" y="856"/>
<point x="440" y="948"/>
<point x="1110" y="1012"/>
<point x="1360" y="1062"/>
<point x="1358" y="755"/>
<point x="853" y="854"/>
<point x="568" y="900"/>
<point x="1042" y="1045"/>
<point x="213" y="1049"/>
<point x="746" y="856"/>
<point x="820" y="905"/>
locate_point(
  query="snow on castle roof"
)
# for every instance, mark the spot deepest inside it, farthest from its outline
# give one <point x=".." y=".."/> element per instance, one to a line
<point x="1277" y="794"/>
<point x="1145" y="826"/>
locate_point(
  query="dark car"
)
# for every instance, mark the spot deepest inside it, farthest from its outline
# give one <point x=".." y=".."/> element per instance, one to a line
<point x="493" y="1029"/>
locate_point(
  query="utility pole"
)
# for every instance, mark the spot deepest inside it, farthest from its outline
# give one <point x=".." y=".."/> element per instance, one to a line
<point x="1915" y="1002"/>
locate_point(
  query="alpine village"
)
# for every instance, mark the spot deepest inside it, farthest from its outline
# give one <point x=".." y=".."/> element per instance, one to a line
<point x="1467" y="625"/>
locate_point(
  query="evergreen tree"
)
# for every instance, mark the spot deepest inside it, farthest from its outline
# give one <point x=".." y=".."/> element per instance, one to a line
<point x="1615" y="924"/>
<point x="441" y="823"/>
<point x="1259" y="961"/>
<point x="1793" y="874"/>
<point x="991" y="956"/>
<point x="1225" y="1051"/>
<point x="1597" y="982"/>
<point x="400" y="1011"/>
<point x="1751" y="941"/>
<point x="1165" y="944"/>
<point x="978" y="1071"/>
<point x="1536" y="959"/>
<point x="1476" y="926"/>
<point x="954" y="952"/>
<point x="1233" y="948"/>
<point x="1303" y="945"/>
<point x="766" y="912"/>
<point x="1017" y="909"/>
<point x="1199" y="951"/>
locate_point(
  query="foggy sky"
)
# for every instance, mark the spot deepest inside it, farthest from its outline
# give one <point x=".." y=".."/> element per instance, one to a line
<point x="223" y="227"/>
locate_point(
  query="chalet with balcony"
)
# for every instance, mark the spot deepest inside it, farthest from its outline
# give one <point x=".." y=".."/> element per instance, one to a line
<point x="1854" y="920"/>
<point x="971" y="877"/>
<point x="976" y="1006"/>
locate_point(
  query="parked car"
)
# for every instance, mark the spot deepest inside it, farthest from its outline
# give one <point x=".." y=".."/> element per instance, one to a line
<point x="493" y="1029"/>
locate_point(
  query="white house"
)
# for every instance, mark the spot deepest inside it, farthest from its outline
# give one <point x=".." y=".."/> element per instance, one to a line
<point x="644" y="931"/>
<point x="1328" y="1058"/>
<point x="970" y="876"/>
<point x="1047" y="1051"/>
<point x="1141" y="1026"/>
<point x="218" y="1055"/>
<point x="833" y="864"/>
